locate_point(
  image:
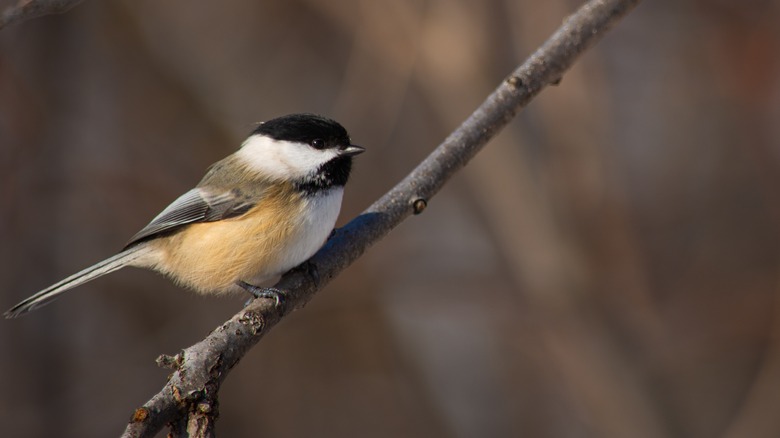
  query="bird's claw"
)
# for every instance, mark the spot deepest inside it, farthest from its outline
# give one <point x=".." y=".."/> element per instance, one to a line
<point x="277" y="295"/>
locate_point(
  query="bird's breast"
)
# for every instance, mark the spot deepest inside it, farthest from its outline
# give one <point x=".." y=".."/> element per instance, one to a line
<point x="279" y="233"/>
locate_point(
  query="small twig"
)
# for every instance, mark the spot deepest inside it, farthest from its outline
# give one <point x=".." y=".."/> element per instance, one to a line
<point x="188" y="400"/>
<point x="28" y="9"/>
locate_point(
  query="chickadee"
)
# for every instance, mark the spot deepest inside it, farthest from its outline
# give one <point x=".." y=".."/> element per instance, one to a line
<point x="255" y="215"/>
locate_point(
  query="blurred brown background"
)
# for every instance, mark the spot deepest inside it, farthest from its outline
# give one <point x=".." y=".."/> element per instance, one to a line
<point x="607" y="267"/>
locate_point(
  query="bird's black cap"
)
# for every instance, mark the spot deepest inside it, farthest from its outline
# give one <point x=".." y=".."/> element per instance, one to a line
<point x="305" y="128"/>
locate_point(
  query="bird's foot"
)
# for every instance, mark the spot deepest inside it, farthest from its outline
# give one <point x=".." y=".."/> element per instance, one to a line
<point x="277" y="295"/>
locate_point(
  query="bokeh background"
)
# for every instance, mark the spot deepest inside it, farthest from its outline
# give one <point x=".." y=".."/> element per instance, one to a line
<point x="606" y="267"/>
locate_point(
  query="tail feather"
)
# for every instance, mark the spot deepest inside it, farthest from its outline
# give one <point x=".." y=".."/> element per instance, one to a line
<point x="45" y="296"/>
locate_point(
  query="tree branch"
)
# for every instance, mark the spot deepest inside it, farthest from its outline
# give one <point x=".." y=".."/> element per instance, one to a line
<point x="189" y="399"/>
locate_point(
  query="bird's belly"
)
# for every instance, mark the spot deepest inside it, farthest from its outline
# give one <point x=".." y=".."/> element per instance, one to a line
<point x="255" y="247"/>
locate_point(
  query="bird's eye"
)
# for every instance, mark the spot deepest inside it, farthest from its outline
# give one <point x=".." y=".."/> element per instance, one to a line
<point x="318" y="143"/>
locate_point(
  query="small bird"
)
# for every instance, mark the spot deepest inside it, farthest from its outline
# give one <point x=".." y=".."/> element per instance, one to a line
<point x="256" y="214"/>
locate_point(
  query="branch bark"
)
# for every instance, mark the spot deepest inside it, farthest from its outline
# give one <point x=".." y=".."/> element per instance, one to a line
<point x="188" y="401"/>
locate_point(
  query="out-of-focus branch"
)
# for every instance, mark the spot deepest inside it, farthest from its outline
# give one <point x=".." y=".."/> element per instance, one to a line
<point x="189" y="399"/>
<point x="27" y="9"/>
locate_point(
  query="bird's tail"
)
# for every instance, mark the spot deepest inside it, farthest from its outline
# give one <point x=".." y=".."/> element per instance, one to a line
<point x="111" y="264"/>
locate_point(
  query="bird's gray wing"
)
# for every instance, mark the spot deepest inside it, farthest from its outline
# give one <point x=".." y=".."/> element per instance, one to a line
<point x="197" y="205"/>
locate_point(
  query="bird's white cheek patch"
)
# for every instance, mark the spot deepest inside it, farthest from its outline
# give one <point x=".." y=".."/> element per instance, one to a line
<point x="282" y="159"/>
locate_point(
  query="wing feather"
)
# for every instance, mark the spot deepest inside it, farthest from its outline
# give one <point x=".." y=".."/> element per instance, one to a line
<point x="197" y="205"/>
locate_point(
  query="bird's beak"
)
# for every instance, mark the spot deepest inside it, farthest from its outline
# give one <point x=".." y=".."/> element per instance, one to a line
<point x="351" y="150"/>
